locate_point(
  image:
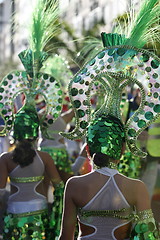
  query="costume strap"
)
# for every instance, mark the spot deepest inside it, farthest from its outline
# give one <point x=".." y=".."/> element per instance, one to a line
<point x="107" y="171"/>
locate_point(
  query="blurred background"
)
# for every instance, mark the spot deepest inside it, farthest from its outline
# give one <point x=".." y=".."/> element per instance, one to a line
<point x="80" y="20"/>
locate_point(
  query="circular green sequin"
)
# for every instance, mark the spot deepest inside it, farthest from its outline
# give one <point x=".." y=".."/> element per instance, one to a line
<point x="52" y="79"/>
<point x="45" y="76"/>
<point x="101" y="62"/>
<point x="83" y="124"/>
<point x="60" y="100"/>
<point x="141" y="123"/>
<point x="1" y="89"/>
<point x="111" y="52"/>
<point x="59" y="92"/>
<point x="55" y="115"/>
<point x="154" y="64"/>
<point x="74" y="91"/>
<point x="155" y="95"/>
<point x="149" y="115"/>
<point x="58" y="108"/>
<point x="1" y="97"/>
<point x="9" y="122"/>
<point x="4" y="111"/>
<point x="121" y="51"/>
<point x="132" y="132"/>
<point x="77" y="79"/>
<point x="81" y="113"/>
<point x="86" y="83"/>
<point x="82" y="81"/>
<point x="136" y="119"/>
<point x="151" y="226"/>
<point x="85" y="102"/>
<point x="109" y="67"/>
<point x="84" y="70"/>
<point x="155" y="75"/>
<point x="157" y="108"/>
<point x="57" y="85"/>
<point x="145" y="57"/>
<point x="101" y="55"/>
<point x="50" y="121"/>
<point x="5" y="83"/>
<point x="81" y="91"/>
<point x="150" y="85"/>
<point x="110" y="60"/>
<point x="156" y="85"/>
<point x="92" y="62"/>
<point x="144" y="227"/>
<point x="10" y="76"/>
<point x="148" y="69"/>
<point x="77" y="103"/>
<point x="151" y="105"/>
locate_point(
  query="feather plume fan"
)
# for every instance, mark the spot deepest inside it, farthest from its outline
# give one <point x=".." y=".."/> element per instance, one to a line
<point x="144" y="26"/>
<point x="139" y="28"/>
<point x="44" y="25"/>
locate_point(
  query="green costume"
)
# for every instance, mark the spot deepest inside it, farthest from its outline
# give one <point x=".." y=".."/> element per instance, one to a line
<point x="122" y="62"/>
<point x="35" y="225"/>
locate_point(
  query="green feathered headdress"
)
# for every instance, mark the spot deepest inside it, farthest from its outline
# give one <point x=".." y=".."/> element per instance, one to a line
<point x="122" y="62"/>
<point x="33" y="82"/>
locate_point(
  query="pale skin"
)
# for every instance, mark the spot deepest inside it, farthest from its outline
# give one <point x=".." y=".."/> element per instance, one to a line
<point x="80" y="190"/>
<point x="7" y="165"/>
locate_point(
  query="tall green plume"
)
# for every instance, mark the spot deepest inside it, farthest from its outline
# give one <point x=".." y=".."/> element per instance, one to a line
<point x="144" y="27"/>
<point x="44" y="25"/>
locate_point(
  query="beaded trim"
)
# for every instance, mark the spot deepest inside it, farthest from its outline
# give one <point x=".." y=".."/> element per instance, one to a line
<point x="30" y="213"/>
<point x="26" y="179"/>
<point x="106" y="213"/>
<point x="111" y="165"/>
<point x="144" y="215"/>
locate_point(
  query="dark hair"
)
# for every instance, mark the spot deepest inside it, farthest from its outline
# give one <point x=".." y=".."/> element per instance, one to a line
<point x="101" y="159"/>
<point x="24" y="153"/>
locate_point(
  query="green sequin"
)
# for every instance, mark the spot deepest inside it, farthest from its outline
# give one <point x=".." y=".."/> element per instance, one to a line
<point x="154" y="64"/>
<point x="74" y="91"/>
<point x="106" y="130"/>
<point x="101" y="55"/>
<point x="27" y="226"/>
<point x="141" y="123"/>
<point x="92" y="62"/>
<point x="156" y="108"/>
<point x="149" y="115"/>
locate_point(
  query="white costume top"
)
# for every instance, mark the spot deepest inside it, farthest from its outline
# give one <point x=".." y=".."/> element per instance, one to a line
<point x="109" y="198"/>
<point x="26" y="179"/>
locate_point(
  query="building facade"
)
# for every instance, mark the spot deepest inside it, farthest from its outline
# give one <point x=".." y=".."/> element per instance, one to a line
<point x="79" y="14"/>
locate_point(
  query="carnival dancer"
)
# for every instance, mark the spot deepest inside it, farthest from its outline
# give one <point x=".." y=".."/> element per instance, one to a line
<point x="27" y="216"/>
<point x="109" y="205"/>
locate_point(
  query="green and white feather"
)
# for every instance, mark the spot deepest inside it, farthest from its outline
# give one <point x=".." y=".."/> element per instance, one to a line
<point x="44" y="25"/>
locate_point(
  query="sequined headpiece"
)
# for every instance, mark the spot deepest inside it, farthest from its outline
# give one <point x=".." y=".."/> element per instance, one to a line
<point x="106" y="135"/>
<point x="32" y="82"/>
<point x="26" y="124"/>
<point x="122" y="62"/>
